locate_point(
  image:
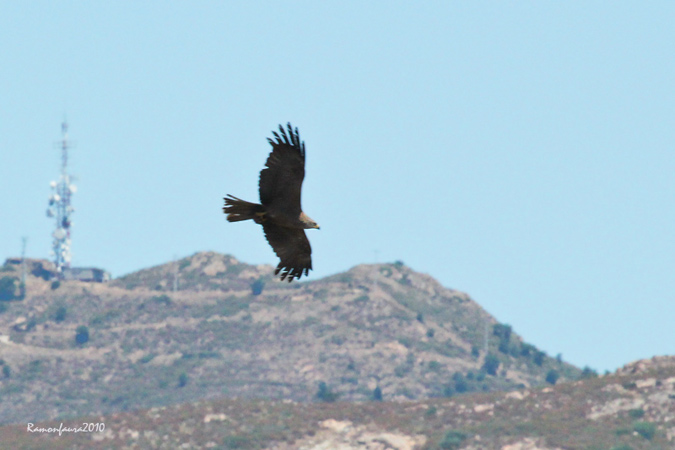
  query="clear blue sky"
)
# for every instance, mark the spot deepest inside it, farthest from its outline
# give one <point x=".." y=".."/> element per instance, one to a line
<point x="522" y="152"/>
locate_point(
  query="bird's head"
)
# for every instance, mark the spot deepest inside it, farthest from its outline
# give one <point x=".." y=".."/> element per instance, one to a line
<point x="307" y="222"/>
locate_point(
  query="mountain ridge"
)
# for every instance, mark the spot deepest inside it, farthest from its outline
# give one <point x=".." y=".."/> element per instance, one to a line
<point x="231" y="329"/>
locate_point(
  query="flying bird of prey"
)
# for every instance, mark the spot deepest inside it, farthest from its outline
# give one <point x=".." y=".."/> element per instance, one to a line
<point x="280" y="213"/>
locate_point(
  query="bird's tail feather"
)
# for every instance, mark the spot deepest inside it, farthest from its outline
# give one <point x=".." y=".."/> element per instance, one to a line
<point x="238" y="209"/>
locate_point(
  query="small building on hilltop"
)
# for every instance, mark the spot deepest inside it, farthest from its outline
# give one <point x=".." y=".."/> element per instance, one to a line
<point x="46" y="270"/>
<point x="86" y="274"/>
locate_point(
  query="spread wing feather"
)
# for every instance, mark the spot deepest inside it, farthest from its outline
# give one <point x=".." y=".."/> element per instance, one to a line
<point x="292" y="247"/>
<point x="281" y="179"/>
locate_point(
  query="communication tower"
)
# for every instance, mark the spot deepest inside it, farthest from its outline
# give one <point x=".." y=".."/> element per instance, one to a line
<point x="61" y="209"/>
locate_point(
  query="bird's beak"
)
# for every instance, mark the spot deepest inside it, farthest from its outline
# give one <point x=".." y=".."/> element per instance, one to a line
<point x="318" y="227"/>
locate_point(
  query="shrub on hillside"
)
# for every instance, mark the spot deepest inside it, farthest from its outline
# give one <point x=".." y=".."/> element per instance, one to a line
<point x="645" y="429"/>
<point x="539" y="358"/>
<point x="461" y="385"/>
<point x="82" y="335"/>
<point x="491" y="364"/>
<point x="257" y="286"/>
<point x="552" y="376"/>
<point x="31" y="323"/>
<point x="434" y="366"/>
<point x="502" y="331"/>
<point x="7" y="289"/>
<point x="325" y="394"/>
<point x="588" y="373"/>
<point x="636" y="413"/>
<point x="182" y="379"/>
<point x="60" y="313"/>
<point x="452" y="440"/>
<point x="527" y="349"/>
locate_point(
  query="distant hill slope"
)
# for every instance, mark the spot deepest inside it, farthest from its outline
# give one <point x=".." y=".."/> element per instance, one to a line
<point x="632" y="409"/>
<point x="231" y="330"/>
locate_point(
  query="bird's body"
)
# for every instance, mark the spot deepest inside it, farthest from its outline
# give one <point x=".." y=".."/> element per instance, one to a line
<point x="279" y="211"/>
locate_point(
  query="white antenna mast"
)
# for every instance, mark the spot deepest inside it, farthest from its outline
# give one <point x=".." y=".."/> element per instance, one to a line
<point x="60" y="208"/>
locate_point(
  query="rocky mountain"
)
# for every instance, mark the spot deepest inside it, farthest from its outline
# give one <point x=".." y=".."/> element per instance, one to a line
<point x="631" y="409"/>
<point x="208" y="326"/>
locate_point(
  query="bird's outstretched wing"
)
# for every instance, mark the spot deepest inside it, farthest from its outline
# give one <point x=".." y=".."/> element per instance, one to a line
<point x="281" y="179"/>
<point x="292" y="248"/>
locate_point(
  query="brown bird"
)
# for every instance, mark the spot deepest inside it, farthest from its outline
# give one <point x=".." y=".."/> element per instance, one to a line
<point x="280" y="213"/>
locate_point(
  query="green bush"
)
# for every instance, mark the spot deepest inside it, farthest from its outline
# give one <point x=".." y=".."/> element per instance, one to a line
<point x="147" y="358"/>
<point x="588" y="373"/>
<point x="55" y="285"/>
<point x="502" y="331"/>
<point x="324" y="393"/>
<point x="257" y="286"/>
<point x="552" y="376"/>
<point x="539" y="358"/>
<point x="636" y="413"/>
<point x="182" y="379"/>
<point x="60" y="313"/>
<point x="527" y="349"/>
<point x="7" y="289"/>
<point x="452" y="440"/>
<point x="645" y="429"/>
<point x="238" y="442"/>
<point x="377" y="394"/>
<point x="491" y="364"/>
<point x="6" y="371"/>
<point x="31" y="324"/>
<point x="162" y="299"/>
<point x="434" y="366"/>
<point x="82" y="335"/>
<point x="461" y="385"/>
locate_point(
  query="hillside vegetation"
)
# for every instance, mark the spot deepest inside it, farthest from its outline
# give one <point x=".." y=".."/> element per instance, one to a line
<point x="632" y="409"/>
<point x="378" y="331"/>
